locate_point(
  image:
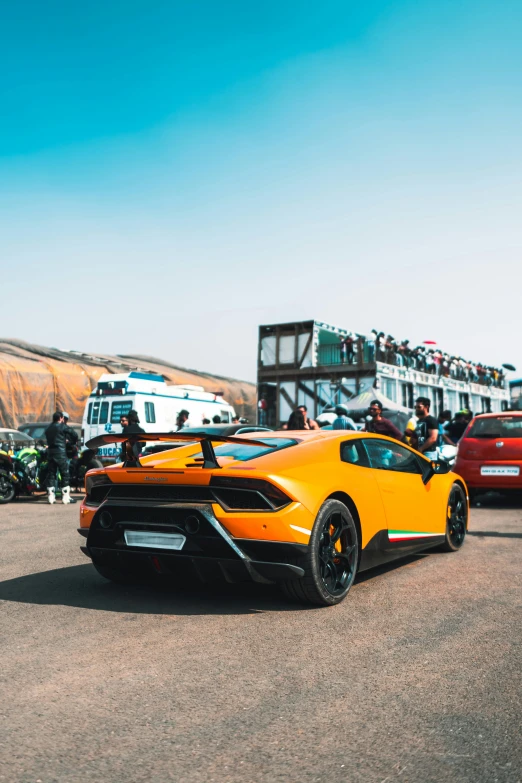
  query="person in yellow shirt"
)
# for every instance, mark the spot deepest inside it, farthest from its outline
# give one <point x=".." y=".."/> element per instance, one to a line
<point x="410" y="428"/>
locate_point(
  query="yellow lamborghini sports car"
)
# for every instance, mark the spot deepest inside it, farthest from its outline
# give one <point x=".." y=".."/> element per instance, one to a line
<point x="304" y="509"/>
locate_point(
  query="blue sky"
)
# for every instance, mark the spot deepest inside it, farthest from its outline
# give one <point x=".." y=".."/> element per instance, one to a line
<point x="210" y="167"/>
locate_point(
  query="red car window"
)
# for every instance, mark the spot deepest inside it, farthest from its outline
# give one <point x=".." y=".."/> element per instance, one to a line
<point x="497" y="427"/>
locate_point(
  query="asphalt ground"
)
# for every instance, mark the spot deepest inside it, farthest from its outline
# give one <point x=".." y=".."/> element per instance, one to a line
<point x="414" y="677"/>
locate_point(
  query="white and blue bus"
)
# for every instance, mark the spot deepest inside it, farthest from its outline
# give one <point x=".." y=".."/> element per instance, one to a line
<point x="157" y="404"/>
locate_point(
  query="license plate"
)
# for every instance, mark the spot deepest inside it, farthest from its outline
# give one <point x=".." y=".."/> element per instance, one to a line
<point x="499" y="471"/>
<point x="142" y="538"/>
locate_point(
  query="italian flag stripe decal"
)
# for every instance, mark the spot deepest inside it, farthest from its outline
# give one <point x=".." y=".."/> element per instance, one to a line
<point x="405" y="535"/>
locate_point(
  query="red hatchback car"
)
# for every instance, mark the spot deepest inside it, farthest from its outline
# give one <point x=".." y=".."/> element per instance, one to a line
<point x="489" y="454"/>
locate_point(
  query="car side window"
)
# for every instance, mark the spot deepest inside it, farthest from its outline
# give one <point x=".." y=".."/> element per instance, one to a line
<point x="353" y="452"/>
<point x="386" y="455"/>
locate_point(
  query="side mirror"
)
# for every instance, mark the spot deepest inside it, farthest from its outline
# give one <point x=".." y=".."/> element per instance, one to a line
<point x="434" y="468"/>
<point x="440" y="467"/>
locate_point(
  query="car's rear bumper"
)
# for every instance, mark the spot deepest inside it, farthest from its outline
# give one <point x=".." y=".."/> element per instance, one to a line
<point x="470" y="470"/>
<point x="205" y="569"/>
<point x="209" y="552"/>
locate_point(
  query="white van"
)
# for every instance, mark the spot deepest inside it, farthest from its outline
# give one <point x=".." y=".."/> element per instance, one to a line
<point x="157" y="404"/>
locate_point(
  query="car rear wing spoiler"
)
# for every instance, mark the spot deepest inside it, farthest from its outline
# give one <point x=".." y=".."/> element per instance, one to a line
<point x="131" y="451"/>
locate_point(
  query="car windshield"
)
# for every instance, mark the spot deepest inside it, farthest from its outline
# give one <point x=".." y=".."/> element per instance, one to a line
<point x="497" y="427"/>
<point x="38" y="432"/>
<point x="242" y="452"/>
<point x="15" y="436"/>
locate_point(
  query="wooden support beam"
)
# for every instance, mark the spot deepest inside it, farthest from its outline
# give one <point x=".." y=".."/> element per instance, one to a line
<point x="307" y="346"/>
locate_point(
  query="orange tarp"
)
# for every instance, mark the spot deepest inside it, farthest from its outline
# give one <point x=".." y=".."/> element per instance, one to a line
<point x="35" y="381"/>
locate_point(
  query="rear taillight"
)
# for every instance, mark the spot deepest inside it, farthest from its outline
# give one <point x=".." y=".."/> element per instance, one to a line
<point x="248" y="494"/>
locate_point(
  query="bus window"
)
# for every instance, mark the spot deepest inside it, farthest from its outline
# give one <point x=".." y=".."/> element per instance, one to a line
<point x="225" y="417"/>
<point x="118" y="410"/>
<point x="95" y="412"/>
<point x="104" y="413"/>
<point x="89" y="413"/>
<point x="150" y="414"/>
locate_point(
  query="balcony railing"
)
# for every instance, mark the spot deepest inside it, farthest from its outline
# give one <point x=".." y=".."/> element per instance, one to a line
<point x="333" y="354"/>
<point x="364" y="353"/>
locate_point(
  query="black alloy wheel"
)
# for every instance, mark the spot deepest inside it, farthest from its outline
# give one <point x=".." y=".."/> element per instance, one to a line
<point x="330" y="564"/>
<point x="456" y="519"/>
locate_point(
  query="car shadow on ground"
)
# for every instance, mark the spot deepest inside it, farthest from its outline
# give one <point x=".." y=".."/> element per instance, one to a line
<point x="497" y="500"/>
<point x="493" y="534"/>
<point x="82" y="587"/>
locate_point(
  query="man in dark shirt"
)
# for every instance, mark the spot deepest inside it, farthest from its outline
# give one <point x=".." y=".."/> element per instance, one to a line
<point x="58" y="434"/>
<point x="378" y="424"/>
<point x="425" y="435"/>
<point x="457" y="427"/>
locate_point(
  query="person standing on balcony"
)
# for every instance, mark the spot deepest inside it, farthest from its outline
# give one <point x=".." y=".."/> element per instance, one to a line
<point x="380" y="346"/>
<point x="375" y="422"/>
<point x="372" y="345"/>
<point x="347" y="349"/>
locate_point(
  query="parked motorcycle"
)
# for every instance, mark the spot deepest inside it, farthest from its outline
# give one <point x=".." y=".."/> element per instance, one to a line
<point x="26" y="473"/>
<point x="30" y="470"/>
<point x="448" y="454"/>
<point x="7" y="482"/>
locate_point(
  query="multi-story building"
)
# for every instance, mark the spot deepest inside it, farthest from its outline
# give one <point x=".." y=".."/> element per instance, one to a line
<point x="304" y="363"/>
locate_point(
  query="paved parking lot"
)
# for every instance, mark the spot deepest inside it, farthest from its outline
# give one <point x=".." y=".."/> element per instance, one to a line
<point x="415" y="677"/>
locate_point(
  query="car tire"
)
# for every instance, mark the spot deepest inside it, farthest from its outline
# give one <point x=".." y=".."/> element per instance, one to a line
<point x="330" y="563"/>
<point x="456" y="520"/>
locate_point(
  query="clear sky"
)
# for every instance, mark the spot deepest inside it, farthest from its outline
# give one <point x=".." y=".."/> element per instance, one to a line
<point x="173" y="174"/>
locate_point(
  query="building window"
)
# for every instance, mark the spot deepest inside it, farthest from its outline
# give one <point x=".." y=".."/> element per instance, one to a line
<point x="464" y="400"/>
<point x="407" y="395"/>
<point x="486" y="405"/>
<point x="389" y="388"/>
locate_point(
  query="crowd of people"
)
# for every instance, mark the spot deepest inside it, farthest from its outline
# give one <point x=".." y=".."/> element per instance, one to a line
<point x="423" y="431"/>
<point x="385" y="348"/>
